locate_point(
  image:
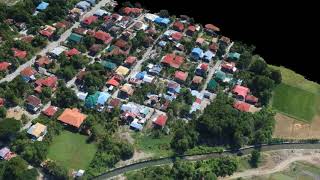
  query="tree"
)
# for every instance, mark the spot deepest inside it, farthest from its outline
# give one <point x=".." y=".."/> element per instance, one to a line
<point x="275" y="75"/>
<point x="65" y="97"/>
<point x="255" y="158"/>
<point x="182" y="170"/>
<point x="164" y="13"/>
<point x="184" y="138"/>
<point x="88" y="41"/>
<point x="8" y="128"/>
<point x="17" y="169"/>
<point x="3" y="112"/>
<point x="56" y="170"/>
<point x="258" y="66"/>
<point x="39" y="41"/>
<point x="46" y="92"/>
<point x="126" y="150"/>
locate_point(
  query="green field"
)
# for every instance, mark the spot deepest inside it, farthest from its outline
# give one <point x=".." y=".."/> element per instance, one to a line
<point x="159" y="147"/>
<point x="295" y="102"/>
<point x="72" y="151"/>
<point x="296" y="97"/>
<point x="297" y="171"/>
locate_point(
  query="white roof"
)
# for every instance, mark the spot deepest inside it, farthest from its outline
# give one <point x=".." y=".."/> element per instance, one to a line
<point x="82" y="96"/>
<point x="169" y="32"/>
<point x="151" y="17"/>
<point x="101" y="12"/>
<point x="148" y="78"/>
<point x="58" y="50"/>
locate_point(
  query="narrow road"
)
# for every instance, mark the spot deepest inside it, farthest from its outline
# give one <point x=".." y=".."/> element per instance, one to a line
<point x="280" y="167"/>
<point x="52" y="45"/>
<point x="210" y="74"/>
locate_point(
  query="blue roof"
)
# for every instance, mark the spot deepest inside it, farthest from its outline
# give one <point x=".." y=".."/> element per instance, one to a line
<point x="197" y="52"/>
<point x="103" y="98"/>
<point x="160" y="20"/>
<point x="140" y="75"/>
<point x="162" y="43"/>
<point x="42" y="6"/>
<point x="83" y="4"/>
<point x="136" y="125"/>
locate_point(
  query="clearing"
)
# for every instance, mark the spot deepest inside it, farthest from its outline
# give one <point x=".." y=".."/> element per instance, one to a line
<point x="72" y="150"/>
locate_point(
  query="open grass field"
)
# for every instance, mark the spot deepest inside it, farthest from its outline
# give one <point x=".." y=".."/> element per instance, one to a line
<point x="72" y="151"/>
<point x="297" y="171"/>
<point x="296" y="97"/>
<point x="295" y="102"/>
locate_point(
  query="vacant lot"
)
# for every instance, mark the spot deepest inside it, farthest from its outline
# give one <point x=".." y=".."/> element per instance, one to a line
<point x="72" y="151"/>
<point x="295" y="102"/>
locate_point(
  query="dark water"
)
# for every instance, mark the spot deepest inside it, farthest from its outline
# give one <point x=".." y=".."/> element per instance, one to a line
<point x="283" y="33"/>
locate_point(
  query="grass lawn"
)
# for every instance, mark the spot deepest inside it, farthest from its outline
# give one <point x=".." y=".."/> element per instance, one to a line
<point x="71" y="150"/>
<point x="296" y="97"/>
<point x="295" y="102"/>
<point x="158" y="146"/>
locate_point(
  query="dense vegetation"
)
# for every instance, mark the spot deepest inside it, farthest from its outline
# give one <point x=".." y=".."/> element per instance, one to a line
<point x="208" y="170"/>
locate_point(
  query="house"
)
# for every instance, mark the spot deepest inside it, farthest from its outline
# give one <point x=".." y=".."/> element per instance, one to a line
<point x="113" y="82"/>
<point x="234" y="56"/>
<point x="180" y="76"/>
<point x="154" y="69"/>
<point x="161" y="120"/>
<point x="122" y="44"/>
<point x="50" y="111"/>
<point x="131" y="11"/>
<point x="94" y="49"/>
<point x="214" y="47"/>
<point x="37" y="131"/>
<point x="83" y="5"/>
<point x="173" y="89"/>
<point x="191" y="30"/>
<point x="197" y="80"/>
<point x="126" y="91"/>
<point x="62" y="25"/>
<point x="251" y="99"/>
<point x="89" y="20"/>
<point x="72" y="117"/>
<point x="177" y="36"/>
<point x="179" y="47"/>
<point x="76" y="38"/>
<point x="107" y="26"/>
<point x="140" y="26"/>
<point x="80" y="31"/>
<point x="114" y="103"/>
<point x="28" y="74"/>
<point x="228" y="67"/>
<point x="200" y="41"/>
<point x="172" y="60"/>
<point x="56" y="52"/>
<point x="19" y="53"/>
<point x="202" y="69"/>
<point x="212" y="85"/>
<point x="150" y="17"/>
<point x="91" y="2"/>
<point x="241" y="92"/>
<point x="162" y="21"/>
<point x="82" y="96"/>
<point x="130" y="61"/>
<point x="242" y="106"/>
<point x="208" y="55"/>
<point x="33" y="104"/>
<point x="103" y="98"/>
<point x="42" y="6"/>
<point x="91" y="100"/>
<point x="122" y="71"/>
<point x="197" y="53"/>
<point x="6" y="154"/>
<point x="178" y="26"/>
<point x="222" y="77"/>
<point x="50" y="82"/>
<point x="103" y="37"/>
<point x="4" y="66"/>
<point x="72" y="52"/>
<point x="101" y="13"/>
<point x="43" y="61"/>
<point x="2" y="102"/>
<point x="211" y="29"/>
<point x="48" y="31"/>
<point x="135" y="125"/>
<point x="225" y="40"/>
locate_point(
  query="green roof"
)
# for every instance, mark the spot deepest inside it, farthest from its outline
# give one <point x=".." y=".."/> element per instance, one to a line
<point x="91" y="100"/>
<point x="220" y="75"/>
<point x="212" y="85"/>
<point x="108" y="65"/>
<point x="234" y="55"/>
<point x="75" y="37"/>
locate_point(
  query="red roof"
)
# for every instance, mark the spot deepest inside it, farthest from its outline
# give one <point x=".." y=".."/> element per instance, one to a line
<point x="252" y="99"/>
<point x="181" y="75"/>
<point x="44" y="60"/>
<point x="103" y="36"/>
<point x="50" y="111"/>
<point x="46" y="33"/>
<point x="173" y="60"/>
<point x="72" y="117"/>
<point x="212" y="27"/>
<point x="198" y="101"/>
<point x="33" y="100"/>
<point x="27" y="72"/>
<point x="72" y="52"/>
<point x="48" y="82"/>
<point x="241" y="90"/>
<point x="115" y="102"/>
<point x="121" y="43"/>
<point x="89" y="20"/>
<point x="242" y="106"/>
<point x="2" y="101"/>
<point x="129" y="10"/>
<point x="177" y="36"/>
<point x="131" y="60"/>
<point x="192" y="28"/>
<point x="161" y="120"/>
<point x="19" y="53"/>
<point x="178" y="26"/>
<point x="113" y="82"/>
<point x="4" y="66"/>
<point x="229" y="66"/>
<point x="204" y="66"/>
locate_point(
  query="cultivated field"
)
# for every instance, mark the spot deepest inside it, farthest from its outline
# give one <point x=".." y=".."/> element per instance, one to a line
<point x="72" y="151"/>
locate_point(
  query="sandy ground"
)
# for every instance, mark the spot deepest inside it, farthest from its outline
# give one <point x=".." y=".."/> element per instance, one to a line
<point x="287" y="127"/>
<point x="278" y="161"/>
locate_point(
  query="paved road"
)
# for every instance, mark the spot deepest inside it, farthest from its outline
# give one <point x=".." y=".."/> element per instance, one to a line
<point x="162" y="161"/>
<point x="52" y="45"/>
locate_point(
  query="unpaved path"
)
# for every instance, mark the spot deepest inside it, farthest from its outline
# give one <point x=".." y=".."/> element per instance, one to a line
<point x="311" y="157"/>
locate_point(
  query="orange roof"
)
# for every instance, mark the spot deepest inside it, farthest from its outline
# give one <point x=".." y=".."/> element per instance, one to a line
<point x="4" y="66"/>
<point x="181" y="75"/>
<point x="173" y="60"/>
<point x="212" y="27"/>
<point x="113" y="82"/>
<point x="242" y="106"/>
<point x="72" y="117"/>
<point x="28" y="71"/>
